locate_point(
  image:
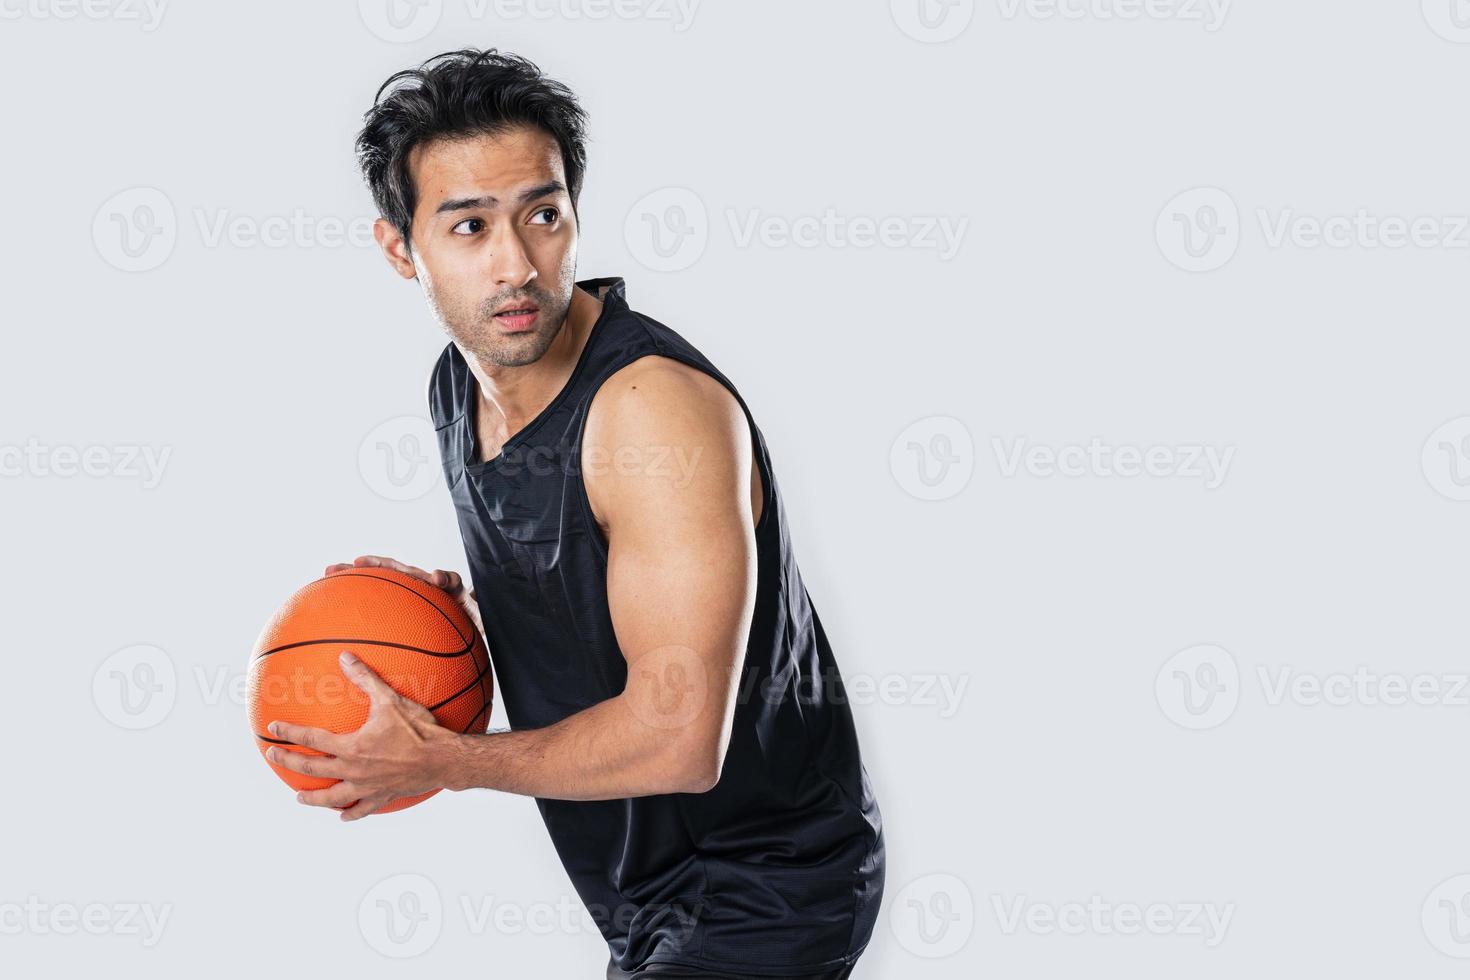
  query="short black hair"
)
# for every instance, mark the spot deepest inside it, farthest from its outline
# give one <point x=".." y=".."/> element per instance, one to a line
<point x="457" y="95"/>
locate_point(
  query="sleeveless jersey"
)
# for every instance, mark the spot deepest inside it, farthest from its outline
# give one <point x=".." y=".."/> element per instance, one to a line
<point x="779" y="868"/>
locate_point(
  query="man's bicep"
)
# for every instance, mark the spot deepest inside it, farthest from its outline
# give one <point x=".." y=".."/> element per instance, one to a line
<point x="667" y="456"/>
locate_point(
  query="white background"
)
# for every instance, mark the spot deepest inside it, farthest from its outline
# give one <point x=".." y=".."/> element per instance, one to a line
<point x="1122" y="738"/>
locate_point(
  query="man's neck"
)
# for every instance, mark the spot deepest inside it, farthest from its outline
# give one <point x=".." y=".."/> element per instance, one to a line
<point x="510" y="397"/>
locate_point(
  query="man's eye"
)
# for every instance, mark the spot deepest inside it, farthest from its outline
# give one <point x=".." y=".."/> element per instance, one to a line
<point x="463" y="227"/>
<point x="547" y="210"/>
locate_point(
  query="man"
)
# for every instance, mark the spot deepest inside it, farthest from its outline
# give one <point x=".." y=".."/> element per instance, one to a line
<point x="676" y="710"/>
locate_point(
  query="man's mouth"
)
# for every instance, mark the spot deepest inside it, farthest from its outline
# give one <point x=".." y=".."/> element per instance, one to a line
<point x="518" y="319"/>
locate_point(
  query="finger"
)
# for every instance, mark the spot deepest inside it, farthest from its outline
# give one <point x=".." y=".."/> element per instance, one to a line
<point x="361" y="809"/>
<point x="448" y="581"/>
<point x="338" y="796"/>
<point x="366" y="678"/>
<point x="340" y="566"/>
<point x="321" y="766"/>
<point x="381" y="561"/>
<point x="312" y="738"/>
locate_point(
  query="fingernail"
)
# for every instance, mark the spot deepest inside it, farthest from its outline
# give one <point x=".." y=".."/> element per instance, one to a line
<point x="272" y="754"/>
<point x="346" y="657"/>
<point x="273" y="728"/>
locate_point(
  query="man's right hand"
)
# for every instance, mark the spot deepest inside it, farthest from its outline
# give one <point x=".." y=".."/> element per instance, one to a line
<point x="448" y="581"/>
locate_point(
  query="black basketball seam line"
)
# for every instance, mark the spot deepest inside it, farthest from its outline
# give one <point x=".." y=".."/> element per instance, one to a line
<point x="362" y="642"/>
<point x="464" y="690"/>
<point x="486" y="707"/>
<point x="454" y="626"/>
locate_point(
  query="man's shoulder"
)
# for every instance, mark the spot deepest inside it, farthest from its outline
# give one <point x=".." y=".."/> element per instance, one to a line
<point x="656" y="391"/>
<point x="444" y="393"/>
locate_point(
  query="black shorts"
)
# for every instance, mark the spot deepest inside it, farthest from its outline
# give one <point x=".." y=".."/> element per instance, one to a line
<point x="672" y="971"/>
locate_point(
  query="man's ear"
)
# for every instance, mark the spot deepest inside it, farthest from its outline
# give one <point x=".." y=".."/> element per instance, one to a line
<point x="395" y="249"/>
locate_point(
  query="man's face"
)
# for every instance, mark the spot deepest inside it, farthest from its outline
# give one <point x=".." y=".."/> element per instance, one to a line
<point x="493" y="229"/>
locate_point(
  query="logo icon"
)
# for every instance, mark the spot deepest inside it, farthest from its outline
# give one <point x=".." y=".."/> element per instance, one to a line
<point x="135" y="688"/>
<point x="401" y="916"/>
<point x="1446" y="459"/>
<point x="1199" y="230"/>
<point x="1198" y="688"/>
<point x="934" y="458"/>
<point x="1446" y="917"/>
<point x="933" y="916"/>
<point x="932" y="21"/>
<point x="399" y="459"/>
<point x="667" y="230"/>
<point x="1450" y="19"/>
<point x="135" y="230"/>
<point x="400" y="21"/>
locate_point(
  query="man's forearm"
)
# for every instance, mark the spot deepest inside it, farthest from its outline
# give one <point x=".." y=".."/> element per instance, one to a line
<point x="604" y="752"/>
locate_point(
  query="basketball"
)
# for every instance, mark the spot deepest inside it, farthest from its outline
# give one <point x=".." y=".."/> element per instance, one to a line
<point x="414" y="635"/>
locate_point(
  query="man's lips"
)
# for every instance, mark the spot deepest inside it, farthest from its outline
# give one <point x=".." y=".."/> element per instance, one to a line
<point x="518" y="319"/>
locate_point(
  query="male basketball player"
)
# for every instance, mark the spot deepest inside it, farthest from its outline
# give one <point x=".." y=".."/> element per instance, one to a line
<point x="675" y="706"/>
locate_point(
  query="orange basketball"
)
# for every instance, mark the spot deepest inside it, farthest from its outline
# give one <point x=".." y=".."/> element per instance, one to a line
<point x="412" y="634"/>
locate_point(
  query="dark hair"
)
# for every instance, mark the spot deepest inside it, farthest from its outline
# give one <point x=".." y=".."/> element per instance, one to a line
<point x="456" y="95"/>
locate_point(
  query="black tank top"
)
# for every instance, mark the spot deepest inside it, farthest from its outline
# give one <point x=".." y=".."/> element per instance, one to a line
<point x="779" y="868"/>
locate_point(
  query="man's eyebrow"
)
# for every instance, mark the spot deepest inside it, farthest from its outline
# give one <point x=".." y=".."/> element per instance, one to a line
<point x="487" y="202"/>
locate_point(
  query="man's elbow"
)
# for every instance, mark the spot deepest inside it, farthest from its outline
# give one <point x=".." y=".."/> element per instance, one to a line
<point x="696" y="768"/>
